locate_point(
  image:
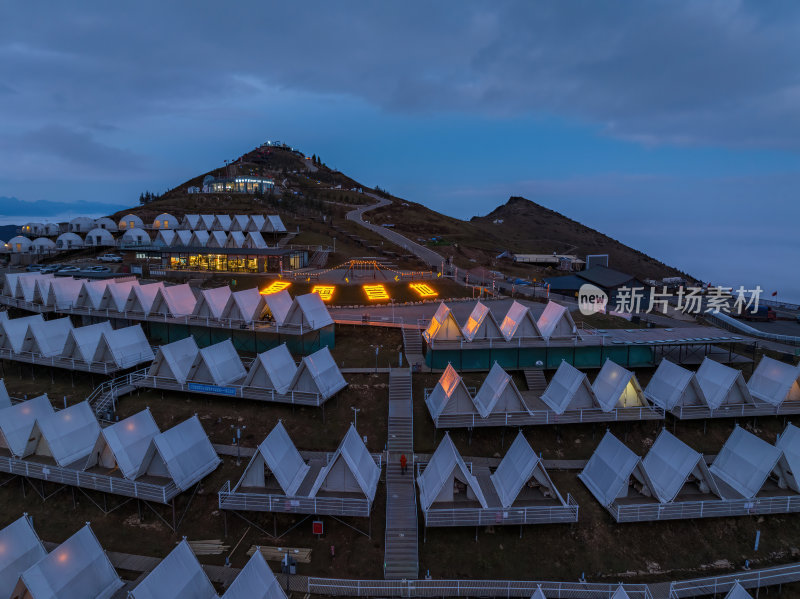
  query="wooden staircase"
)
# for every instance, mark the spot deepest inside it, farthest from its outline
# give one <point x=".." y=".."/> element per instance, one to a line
<point x="535" y="381"/>
<point x="401" y="554"/>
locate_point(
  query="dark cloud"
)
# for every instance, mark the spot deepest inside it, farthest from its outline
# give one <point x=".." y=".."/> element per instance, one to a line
<point x="11" y="207"/>
<point x="656" y="72"/>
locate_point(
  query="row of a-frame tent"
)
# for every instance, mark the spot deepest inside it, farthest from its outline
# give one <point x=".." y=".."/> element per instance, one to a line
<point x="555" y="322"/>
<point x="351" y="469"/>
<point x="219" y="364"/>
<point x="519" y="467"/>
<point x="129" y="296"/>
<point x="251" y="240"/>
<point x="79" y="568"/>
<point x="569" y="389"/>
<point x="239" y="222"/>
<point x="95" y="343"/>
<point x="744" y="464"/>
<point x="73" y="438"/>
<point x="737" y="591"/>
<point x="716" y="385"/>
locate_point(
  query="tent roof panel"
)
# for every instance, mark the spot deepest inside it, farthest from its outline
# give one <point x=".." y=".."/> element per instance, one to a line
<point x="130" y="440"/>
<point x="20" y="548"/>
<point x="358" y="460"/>
<point x="609" y="469"/>
<point x="187" y="452"/>
<point x="16" y="422"/>
<point x="70" y="433"/>
<point x="773" y="380"/>
<point x="444" y="461"/>
<point x="177" y="576"/>
<point x="745" y="462"/>
<point x="283" y="459"/>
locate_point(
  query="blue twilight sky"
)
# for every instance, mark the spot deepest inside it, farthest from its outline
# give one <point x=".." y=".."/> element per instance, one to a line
<point x="673" y="126"/>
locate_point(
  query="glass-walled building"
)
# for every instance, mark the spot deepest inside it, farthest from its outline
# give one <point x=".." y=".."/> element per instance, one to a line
<point x="255" y="185"/>
<point x="225" y="259"/>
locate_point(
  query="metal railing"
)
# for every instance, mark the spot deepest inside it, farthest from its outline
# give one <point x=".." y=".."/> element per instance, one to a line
<point x="73" y="364"/>
<point x="719" y="585"/>
<point x="304" y="398"/>
<point x="711" y="508"/>
<point x="87" y="480"/>
<point x="467" y="588"/>
<point x="731" y="324"/>
<point x="735" y="410"/>
<point x="498" y="516"/>
<point x="545" y="417"/>
<point x="264" y="502"/>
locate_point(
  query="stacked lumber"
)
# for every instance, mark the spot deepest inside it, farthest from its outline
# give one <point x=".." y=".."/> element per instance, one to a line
<point x="276" y="554"/>
<point x="208" y="547"/>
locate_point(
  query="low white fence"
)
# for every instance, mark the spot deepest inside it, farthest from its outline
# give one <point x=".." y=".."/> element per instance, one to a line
<point x="712" y="508"/>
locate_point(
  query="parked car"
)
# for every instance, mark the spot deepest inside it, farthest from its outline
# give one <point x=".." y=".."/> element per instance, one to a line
<point x="110" y="258"/>
<point x="97" y="269"/>
<point x="51" y="268"/>
<point x="68" y="269"/>
<point x="34" y="268"/>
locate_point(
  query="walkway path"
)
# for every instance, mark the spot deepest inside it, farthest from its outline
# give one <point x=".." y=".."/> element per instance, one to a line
<point x="401" y="558"/>
<point x="428" y="256"/>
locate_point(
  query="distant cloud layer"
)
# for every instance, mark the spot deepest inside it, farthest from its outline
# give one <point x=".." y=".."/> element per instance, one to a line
<point x="716" y="72"/>
<point x="42" y="209"/>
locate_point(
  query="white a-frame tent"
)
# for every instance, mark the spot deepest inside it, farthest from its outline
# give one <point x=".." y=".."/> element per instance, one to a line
<point x="616" y="387"/>
<point x="177" y="576"/>
<point x="569" y="389"/>
<point x="272" y="369"/>
<point x="13" y="330"/>
<point x="127" y="445"/>
<point x="450" y="395"/>
<point x="255" y="581"/>
<point x="212" y="302"/>
<point x="481" y="324"/>
<point x="174" y="360"/>
<point x="318" y="373"/>
<point x="217" y="364"/>
<point x="235" y="240"/>
<point x="64" y="292"/>
<point x="222" y="222"/>
<point x="91" y="294"/>
<point x="722" y="385"/>
<point x="350" y="470"/>
<point x="183" y="453"/>
<point x="76" y="569"/>
<point x="789" y="464"/>
<point x="673" y="386"/>
<point x="115" y="296"/>
<point x="68" y="435"/>
<point x="21" y="549"/>
<point x="498" y="394"/>
<point x="18" y="432"/>
<point x="278" y="305"/>
<point x="738" y="592"/>
<point x="520" y="466"/>
<point x="47" y="338"/>
<point x="274" y="224"/>
<point x="217" y="239"/>
<point x="277" y="455"/>
<point x="519" y="323"/>
<point x="82" y="342"/>
<point x="308" y="311"/>
<point x="609" y="472"/>
<point x="745" y="462"/>
<point x="775" y="382"/>
<point x="124" y="347"/>
<point x="443" y="326"/>
<point x="556" y="322"/>
<point x="246" y="305"/>
<point x="141" y="297"/>
<point x="5" y="399"/>
<point x="445" y="476"/>
<point x="181" y="239"/>
<point x="671" y="465"/>
<point x="175" y="300"/>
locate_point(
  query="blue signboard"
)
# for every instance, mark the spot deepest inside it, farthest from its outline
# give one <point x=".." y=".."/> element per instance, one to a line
<point x="212" y="389"/>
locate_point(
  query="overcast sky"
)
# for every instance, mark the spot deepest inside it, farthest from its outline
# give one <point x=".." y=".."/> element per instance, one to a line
<point x="673" y="126"/>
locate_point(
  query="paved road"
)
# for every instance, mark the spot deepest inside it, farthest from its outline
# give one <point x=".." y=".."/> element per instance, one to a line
<point x="428" y="256"/>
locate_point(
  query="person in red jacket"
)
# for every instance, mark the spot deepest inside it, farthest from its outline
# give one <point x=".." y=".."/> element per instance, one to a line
<point x="403" y="463"/>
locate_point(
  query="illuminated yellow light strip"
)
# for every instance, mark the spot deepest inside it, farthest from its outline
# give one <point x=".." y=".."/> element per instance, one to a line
<point x="275" y="287"/>
<point x="376" y="292"/>
<point x="423" y="290"/>
<point x="325" y="291"/>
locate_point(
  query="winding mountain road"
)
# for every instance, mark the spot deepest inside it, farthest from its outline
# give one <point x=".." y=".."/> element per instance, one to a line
<point x="427" y="255"/>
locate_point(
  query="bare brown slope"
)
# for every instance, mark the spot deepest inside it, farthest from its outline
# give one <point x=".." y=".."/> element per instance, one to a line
<point x="526" y="227"/>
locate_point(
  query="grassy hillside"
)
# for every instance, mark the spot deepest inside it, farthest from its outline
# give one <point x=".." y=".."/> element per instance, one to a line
<point x="310" y="194"/>
<point x="526" y="227"/>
